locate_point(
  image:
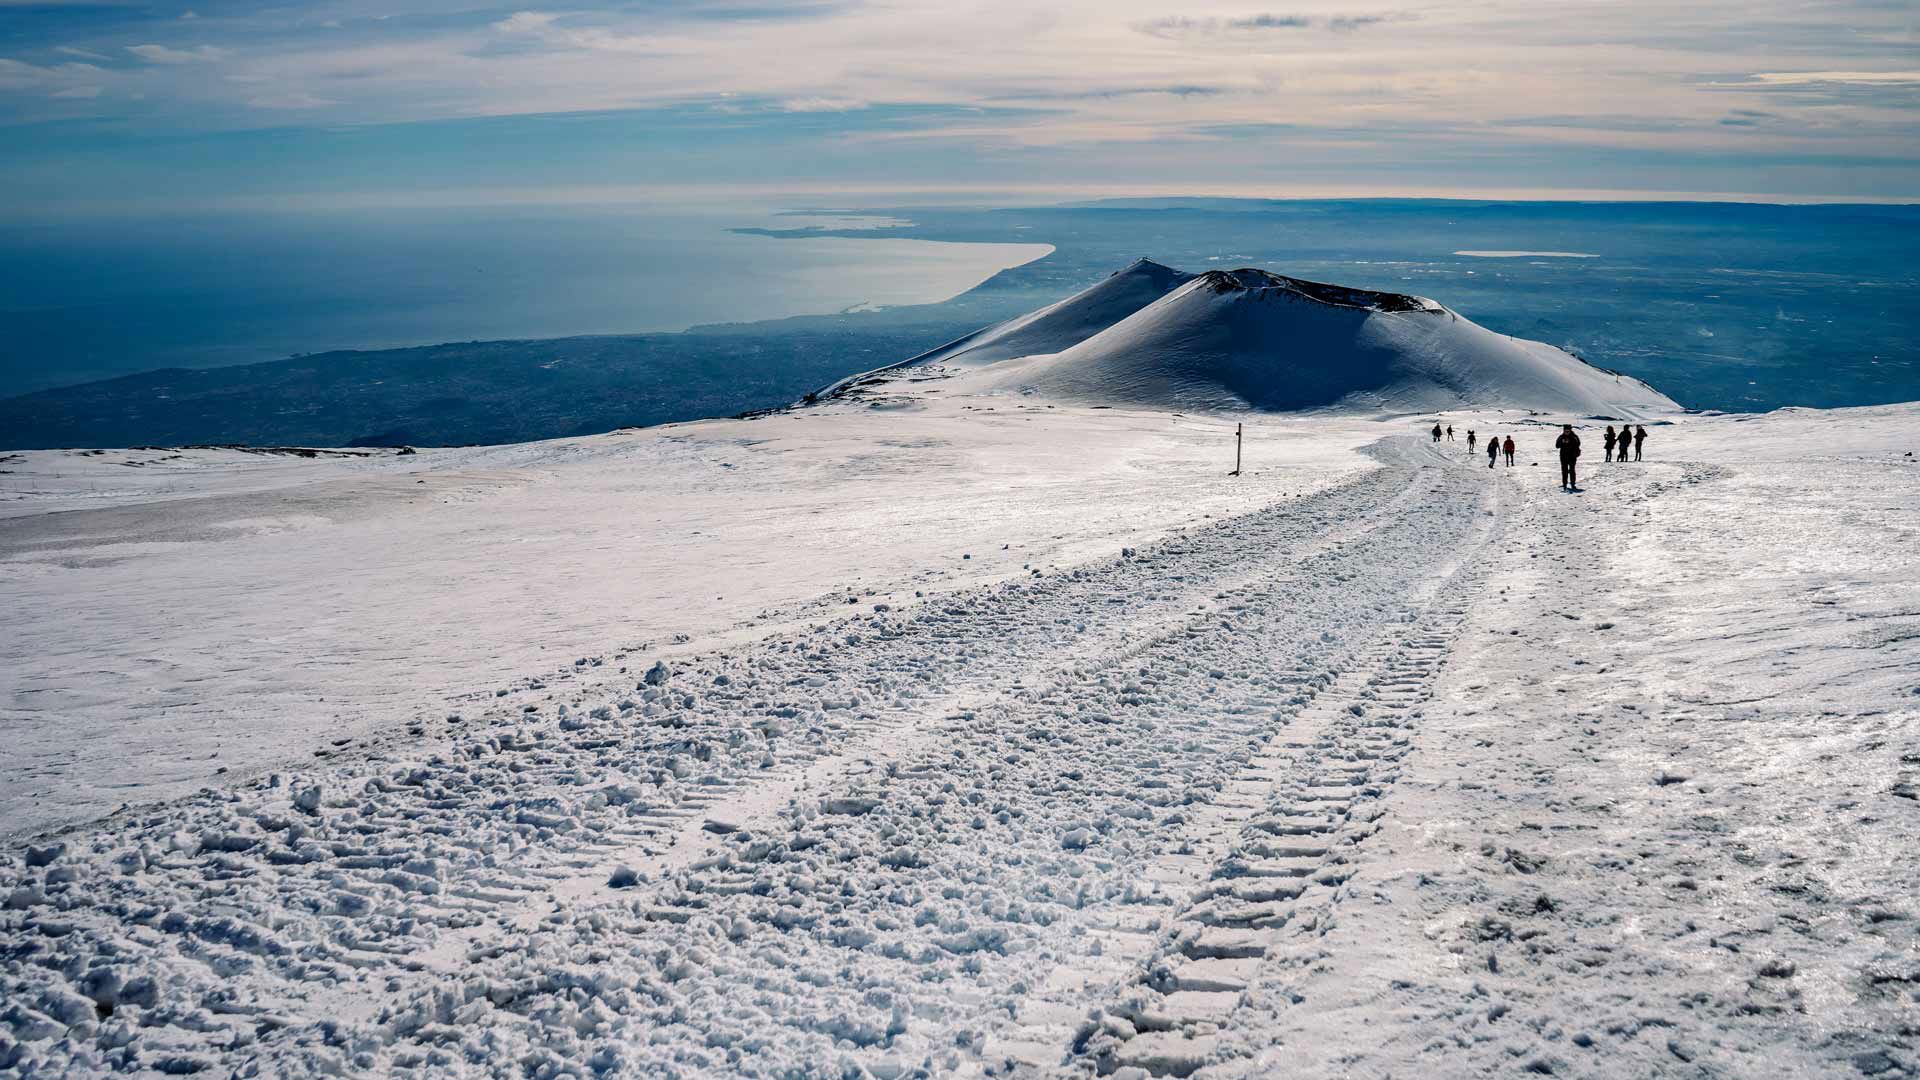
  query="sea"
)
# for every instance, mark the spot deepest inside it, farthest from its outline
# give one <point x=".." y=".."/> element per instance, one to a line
<point x="1722" y="306"/>
<point x="88" y="300"/>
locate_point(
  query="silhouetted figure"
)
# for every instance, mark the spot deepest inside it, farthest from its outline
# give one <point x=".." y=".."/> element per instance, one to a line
<point x="1449" y="432"/>
<point x="1569" y="446"/>
<point x="1436" y="433"/>
<point x="1509" y="449"/>
<point x="1470" y="439"/>
<point x="1639" y="440"/>
<point x="1493" y="451"/>
<point x="1609" y="441"/>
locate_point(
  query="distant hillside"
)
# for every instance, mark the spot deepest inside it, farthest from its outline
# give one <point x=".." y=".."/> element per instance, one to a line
<point x="483" y="392"/>
<point x="471" y="392"/>
<point x="1150" y="336"/>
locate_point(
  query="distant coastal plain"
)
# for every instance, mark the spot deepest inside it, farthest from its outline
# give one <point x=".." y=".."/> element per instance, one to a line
<point x="101" y="299"/>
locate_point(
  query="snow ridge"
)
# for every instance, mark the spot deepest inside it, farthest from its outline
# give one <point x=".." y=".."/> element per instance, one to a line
<point x="1049" y="329"/>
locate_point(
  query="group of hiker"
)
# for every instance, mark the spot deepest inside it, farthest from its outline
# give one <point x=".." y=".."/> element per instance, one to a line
<point x="1495" y="445"/>
<point x="1630" y="438"/>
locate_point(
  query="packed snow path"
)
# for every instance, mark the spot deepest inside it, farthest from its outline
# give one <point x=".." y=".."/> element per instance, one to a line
<point x="875" y="836"/>
<point x="1148" y="817"/>
<point x="1663" y="820"/>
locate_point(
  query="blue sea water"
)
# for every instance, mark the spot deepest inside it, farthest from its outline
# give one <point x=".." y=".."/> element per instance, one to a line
<point x="1721" y="305"/>
<point x="90" y="300"/>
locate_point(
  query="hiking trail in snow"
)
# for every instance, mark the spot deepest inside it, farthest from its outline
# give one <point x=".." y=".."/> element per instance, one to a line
<point x="1357" y="780"/>
<point x="894" y="826"/>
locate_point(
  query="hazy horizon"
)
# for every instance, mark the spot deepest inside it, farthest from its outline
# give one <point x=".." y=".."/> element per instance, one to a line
<point x="338" y="103"/>
<point x="1724" y="305"/>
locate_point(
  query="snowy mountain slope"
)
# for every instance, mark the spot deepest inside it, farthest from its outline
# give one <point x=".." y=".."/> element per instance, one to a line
<point x="1154" y="338"/>
<point x="1420" y="768"/>
<point x="424" y="580"/>
<point x="1051" y="328"/>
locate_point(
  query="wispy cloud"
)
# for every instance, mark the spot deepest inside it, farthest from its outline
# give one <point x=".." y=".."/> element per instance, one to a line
<point x="1189" y="26"/>
<point x="1244" y="87"/>
<point x="553" y="30"/>
<point x="526" y="22"/>
<point x="17" y="75"/>
<point x="295" y="100"/>
<point x="821" y="104"/>
<point x="164" y="54"/>
<point x="1355" y="22"/>
<point x="1853" y="78"/>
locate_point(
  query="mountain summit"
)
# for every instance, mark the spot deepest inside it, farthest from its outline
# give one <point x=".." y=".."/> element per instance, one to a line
<point x="1150" y="336"/>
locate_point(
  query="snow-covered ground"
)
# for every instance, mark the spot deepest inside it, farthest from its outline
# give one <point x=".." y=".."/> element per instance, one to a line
<point x="183" y="617"/>
<point x="1373" y="761"/>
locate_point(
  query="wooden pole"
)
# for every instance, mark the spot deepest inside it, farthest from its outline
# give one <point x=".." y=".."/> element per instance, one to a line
<point x="1238" y="429"/>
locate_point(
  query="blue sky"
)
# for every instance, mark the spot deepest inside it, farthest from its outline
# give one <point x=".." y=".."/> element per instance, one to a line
<point x="113" y="106"/>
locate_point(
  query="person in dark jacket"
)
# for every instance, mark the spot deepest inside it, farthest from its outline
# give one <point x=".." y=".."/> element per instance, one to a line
<point x="1436" y="433"/>
<point x="1569" y="446"/>
<point x="1509" y="449"/>
<point x="1471" y="438"/>
<point x="1609" y="442"/>
<point x="1493" y="450"/>
<point x="1639" y="440"/>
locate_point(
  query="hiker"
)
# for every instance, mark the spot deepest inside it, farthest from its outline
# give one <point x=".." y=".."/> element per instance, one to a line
<point x="1509" y="449"/>
<point x="1569" y="446"/>
<point x="1436" y="433"/>
<point x="1609" y="442"/>
<point x="1493" y="451"/>
<point x="1470" y="438"/>
<point x="1639" y="440"/>
<point x="1449" y="432"/>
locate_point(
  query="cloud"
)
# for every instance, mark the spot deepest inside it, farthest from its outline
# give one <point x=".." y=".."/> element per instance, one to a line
<point x="525" y="22"/>
<point x="17" y="74"/>
<point x="1847" y="78"/>
<point x="1269" y="22"/>
<point x="1187" y="26"/>
<point x="821" y="104"/>
<point x="1354" y="22"/>
<point x="293" y="100"/>
<point x="1182" y="26"/>
<point x="162" y="54"/>
<point x="1012" y="81"/>
<point x="545" y="26"/>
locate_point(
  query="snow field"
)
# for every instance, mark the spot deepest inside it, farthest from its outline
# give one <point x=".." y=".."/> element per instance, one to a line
<point x="453" y="914"/>
<point x="1660" y="817"/>
<point x="211" y="617"/>
<point x="1428" y="769"/>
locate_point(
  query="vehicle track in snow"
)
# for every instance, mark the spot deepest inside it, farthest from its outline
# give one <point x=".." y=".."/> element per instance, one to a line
<point x="890" y="843"/>
<point x="1258" y="875"/>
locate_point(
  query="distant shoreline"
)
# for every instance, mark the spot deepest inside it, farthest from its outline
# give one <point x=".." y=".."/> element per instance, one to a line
<point x="258" y="292"/>
<point x="1528" y="254"/>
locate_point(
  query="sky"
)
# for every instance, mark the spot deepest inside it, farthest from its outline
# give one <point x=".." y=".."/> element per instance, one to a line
<point x="112" y="107"/>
